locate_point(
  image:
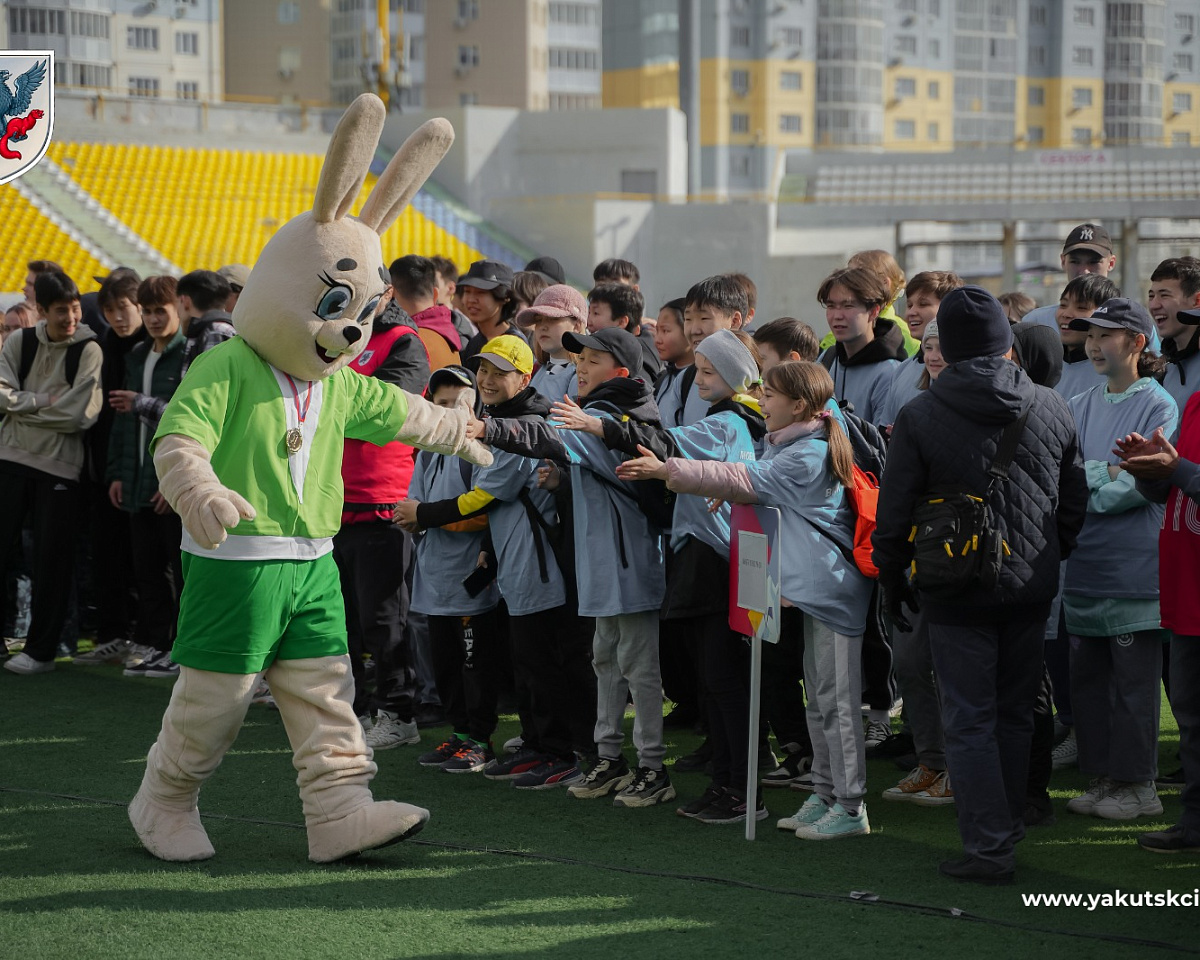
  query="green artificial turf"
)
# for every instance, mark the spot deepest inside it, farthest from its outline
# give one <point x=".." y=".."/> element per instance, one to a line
<point x="500" y="872"/>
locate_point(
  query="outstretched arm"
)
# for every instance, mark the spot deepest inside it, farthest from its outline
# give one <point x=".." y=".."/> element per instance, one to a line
<point x="442" y="430"/>
<point x="529" y="438"/>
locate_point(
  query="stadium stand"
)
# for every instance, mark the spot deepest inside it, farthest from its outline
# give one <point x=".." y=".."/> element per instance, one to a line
<point x="32" y="235"/>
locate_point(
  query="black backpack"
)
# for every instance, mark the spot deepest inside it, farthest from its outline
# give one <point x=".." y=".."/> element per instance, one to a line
<point x="29" y="349"/>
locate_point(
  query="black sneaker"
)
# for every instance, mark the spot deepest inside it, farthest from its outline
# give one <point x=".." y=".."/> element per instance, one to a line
<point x="1039" y="813"/>
<point x="609" y="774"/>
<point x="552" y="772"/>
<point x="513" y="765"/>
<point x="894" y="747"/>
<point x="1170" y="781"/>
<point x="649" y="787"/>
<point x="443" y="752"/>
<point x="1171" y="840"/>
<point x="694" y="761"/>
<point x="162" y="667"/>
<point x="795" y="764"/>
<point x="702" y="802"/>
<point x="729" y="807"/>
<point x="975" y="871"/>
<point x="472" y="757"/>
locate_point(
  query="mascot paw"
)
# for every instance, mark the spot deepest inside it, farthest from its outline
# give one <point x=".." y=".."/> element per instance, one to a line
<point x="168" y="833"/>
<point x="475" y="452"/>
<point x="375" y="825"/>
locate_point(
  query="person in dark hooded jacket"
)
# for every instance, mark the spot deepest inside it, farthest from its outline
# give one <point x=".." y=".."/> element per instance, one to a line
<point x="987" y="643"/>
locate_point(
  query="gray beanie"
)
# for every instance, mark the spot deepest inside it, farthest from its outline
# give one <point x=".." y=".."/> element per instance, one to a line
<point x="731" y="359"/>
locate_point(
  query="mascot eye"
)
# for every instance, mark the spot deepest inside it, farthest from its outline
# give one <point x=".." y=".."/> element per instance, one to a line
<point x="369" y="310"/>
<point x="334" y="303"/>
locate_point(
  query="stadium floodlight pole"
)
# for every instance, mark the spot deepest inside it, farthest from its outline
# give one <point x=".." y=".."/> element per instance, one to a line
<point x="689" y="85"/>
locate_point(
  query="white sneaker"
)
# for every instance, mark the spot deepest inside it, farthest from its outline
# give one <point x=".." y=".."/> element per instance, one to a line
<point x="139" y="654"/>
<point x="23" y="663"/>
<point x="390" y="731"/>
<point x="1127" y="801"/>
<point x="115" y="651"/>
<point x="513" y="745"/>
<point x="1097" y="790"/>
<point x="877" y="732"/>
<point x="813" y="809"/>
<point x="1066" y="754"/>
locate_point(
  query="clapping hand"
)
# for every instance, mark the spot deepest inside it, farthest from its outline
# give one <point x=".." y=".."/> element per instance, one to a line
<point x="1153" y="459"/>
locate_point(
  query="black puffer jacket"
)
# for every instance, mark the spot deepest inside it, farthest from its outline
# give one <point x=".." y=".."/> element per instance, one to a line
<point x="945" y="440"/>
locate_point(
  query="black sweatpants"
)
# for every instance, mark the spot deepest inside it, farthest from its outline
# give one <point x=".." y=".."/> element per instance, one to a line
<point x="879" y="679"/>
<point x="54" y="505"/>
<point x="466" y="665"/>
<point x="782" y="675"/>
<point x="112" y="560"/>
<point x="158" y="572"/>
<point x="552" y="659"/>
<point x="373" y="560"/>
<point x="727" y="680"/>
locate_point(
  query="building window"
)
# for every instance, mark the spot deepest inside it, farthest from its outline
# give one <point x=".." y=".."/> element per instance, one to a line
<point x="790" y="123"/>
<point x="739" y="36"/>
<point x="468" y="9"/>
<point x="904" y="130"/>
<point x="739" y="165"/>
<point x="739" y="123"/>
<point x="289" y="12"/>
<point x="188" y="43"/>
<point x="1081" y="56"/>
<point x="904" y="87"/>
<point x="468" y="56"/>
<point x="187" y="90"/>
<point x="38" y="21"/>
<point x="934" y="90"/>
<point x="1037" y="96"/>
<point x="906" y="44"/>
<point x="570" y="59"/>
<point x="1081" y="136"/>
<point x="1185" y="23"/>
<point x="468" y="99"/>
<point x="141" y="38"/>
<point x="935" y="48"/>
<point x="907" y="6"/>
<point x="143" y="86"/>
<point x="739" y="82"/>
<point x="791" y="80"/>
<point x="1081" y="97"/>
<point x="1037" y="56"/>
<point x="88" y="75"/>
<point x="416" y="48"/>
<point x="935" y="8"/>
<point x="931" y="132"/>
<point x="573" y="13"/>
<point x="87" y="25"/>
<point x="1036" y="134"/>
<point x="1183" y="62"/>
<point x="792" y="36"/>
<point x="1085" y="17"/>
<point x="1181" y="103"/>
<point x="1037" y="15"/>
<point x="1181" y="138"/>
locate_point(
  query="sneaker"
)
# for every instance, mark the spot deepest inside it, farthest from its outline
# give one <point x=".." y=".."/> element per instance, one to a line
<point x="472" y="757"/>
<point x="730" y="807"/>
<point x="794" y="765"/>
<point x="365" y="722"/>
<point x="1096" y="791"/>
<point x="1170" y="781"/>
<point x="162" y="667"/>
<point x="1066" y="754"/>
<point x="937" y="794"/>
<point x="23" y="663"/>
<point x="648" y="787"/>
<point x="972" y="870"/>
<point x="767" y="761"/>
<point x="1171" y="840"/>
<point x="609" y="774"/>
<point x="390" y="731"/>
<point x="919" y="778"/>
<point x="138" y="653"/>
<point x="702" y="802"/>
<point x="138" y="667"/>
<point x="814" y="809"/>
<point x="550" y="774"/>
<point x="1039" y="813"/>
<point x="114" y="652"/>
<point x="804" y="782"/>
<point x="514" y="744"/>
<point x="695" y="761"/>
<point x="262" y="696"/>
<point x="1128" y="801"/>
<point x="837" y="824"/>
<point x="895" y="747"/>
<point x="878" y="732"/>
<point x="513" y="765"/>
<point x="447" y="750"/>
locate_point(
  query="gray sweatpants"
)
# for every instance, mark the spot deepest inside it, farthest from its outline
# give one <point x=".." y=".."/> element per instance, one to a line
<point x="1115" y="698"/>
<point x="625" y="658"/>
<point x="914" y="674"/>
<point x="833" y="681"/>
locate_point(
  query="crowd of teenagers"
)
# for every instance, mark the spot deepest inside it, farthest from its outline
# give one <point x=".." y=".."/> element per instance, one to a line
<point x="587" y="568"/>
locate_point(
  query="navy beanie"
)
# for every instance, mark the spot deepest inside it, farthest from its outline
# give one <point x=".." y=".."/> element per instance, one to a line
<point x="972" y="323"/>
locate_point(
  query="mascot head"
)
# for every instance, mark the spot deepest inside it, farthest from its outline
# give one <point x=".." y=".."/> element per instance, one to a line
<point x="309" y="303"/>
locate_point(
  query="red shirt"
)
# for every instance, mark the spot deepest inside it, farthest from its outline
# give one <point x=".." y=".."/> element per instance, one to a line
<point x="1179" y="541"/>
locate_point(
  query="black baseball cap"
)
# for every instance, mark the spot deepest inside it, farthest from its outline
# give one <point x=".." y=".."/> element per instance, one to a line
<point x="487" y="275"/>
<point x="622" y="344"/>
<point x="549" y="269"/>
<point x="1119" y="313"/>
<point x="1089" y="236"/>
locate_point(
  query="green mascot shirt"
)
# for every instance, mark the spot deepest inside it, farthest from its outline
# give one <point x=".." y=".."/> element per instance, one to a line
<point x="240" y="409"/>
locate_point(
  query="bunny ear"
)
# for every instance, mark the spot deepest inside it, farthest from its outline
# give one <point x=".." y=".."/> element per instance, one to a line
<point x="349" y="158"/>
<point x="408" y="170"/>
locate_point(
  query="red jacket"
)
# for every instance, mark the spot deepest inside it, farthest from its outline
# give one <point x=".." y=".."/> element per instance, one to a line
<point x="1179" y="541"/>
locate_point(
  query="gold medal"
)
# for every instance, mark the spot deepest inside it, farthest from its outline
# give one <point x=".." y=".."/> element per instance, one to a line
<point x="294" y="439"/>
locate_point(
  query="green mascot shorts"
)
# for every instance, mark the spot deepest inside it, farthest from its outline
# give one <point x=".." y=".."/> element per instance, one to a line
<point x="240" y="616"/>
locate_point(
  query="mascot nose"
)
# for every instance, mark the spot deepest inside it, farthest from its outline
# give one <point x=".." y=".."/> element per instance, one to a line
<point x="352" y="334"/>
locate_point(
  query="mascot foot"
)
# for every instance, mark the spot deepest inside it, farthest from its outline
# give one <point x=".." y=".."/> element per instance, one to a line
<point x="375" y="825"/>
<point x="169" y="834"/>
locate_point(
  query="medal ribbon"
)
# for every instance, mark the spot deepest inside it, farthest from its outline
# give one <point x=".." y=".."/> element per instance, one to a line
<point x="300" y="414"/>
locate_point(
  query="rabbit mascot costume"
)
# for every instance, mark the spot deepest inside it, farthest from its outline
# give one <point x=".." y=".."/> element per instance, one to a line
<point x="252" y="443"/>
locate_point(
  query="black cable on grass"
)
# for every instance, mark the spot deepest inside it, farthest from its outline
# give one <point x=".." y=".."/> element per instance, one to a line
<point x="854" y="897"/>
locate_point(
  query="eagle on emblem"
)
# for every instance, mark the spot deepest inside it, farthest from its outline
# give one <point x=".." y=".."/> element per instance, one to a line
<point x="15" y="104"/>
